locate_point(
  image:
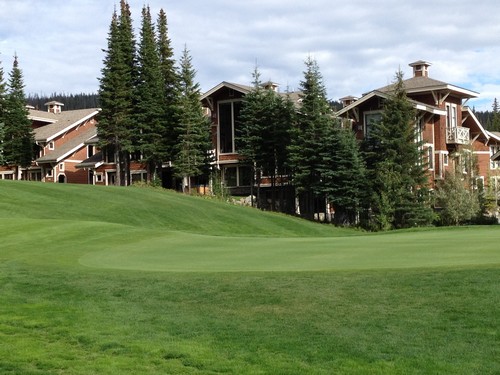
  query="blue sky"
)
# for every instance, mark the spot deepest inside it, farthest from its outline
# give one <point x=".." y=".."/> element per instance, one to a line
<point x="358" y="44"/>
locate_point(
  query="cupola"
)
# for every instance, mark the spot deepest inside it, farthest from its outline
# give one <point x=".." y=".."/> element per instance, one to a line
<point x="54" y="107"/>
<point x="420" y="68"/>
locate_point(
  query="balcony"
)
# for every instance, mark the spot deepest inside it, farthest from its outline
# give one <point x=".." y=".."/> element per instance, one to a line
<point x="458" y="135"/>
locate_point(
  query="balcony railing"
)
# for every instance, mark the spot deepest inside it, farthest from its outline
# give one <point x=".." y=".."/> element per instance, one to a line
<point x="458" y="135"/>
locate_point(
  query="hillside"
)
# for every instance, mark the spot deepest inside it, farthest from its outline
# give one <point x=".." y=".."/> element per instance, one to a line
<point x="150" y="208"/>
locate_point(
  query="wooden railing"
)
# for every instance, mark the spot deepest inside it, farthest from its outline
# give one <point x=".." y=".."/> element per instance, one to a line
<point x="458" y="135"/>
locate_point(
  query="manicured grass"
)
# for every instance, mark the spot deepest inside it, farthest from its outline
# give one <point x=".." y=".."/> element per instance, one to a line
<point x="110" y="283"/>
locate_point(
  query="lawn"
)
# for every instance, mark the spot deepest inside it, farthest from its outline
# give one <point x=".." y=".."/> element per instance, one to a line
<point x="139" y="281"/>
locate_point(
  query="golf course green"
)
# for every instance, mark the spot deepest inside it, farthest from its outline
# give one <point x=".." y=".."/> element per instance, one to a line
<point x="110" y="280"/>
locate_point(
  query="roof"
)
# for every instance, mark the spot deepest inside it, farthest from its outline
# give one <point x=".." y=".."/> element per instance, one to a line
<point x="59" y="123"/>
<point x="93" y="162"/>
<point x="475" y="123"/>
<point x="494" y="135"/>
<point x="416" y="104"/>
<point x="69" y="147"/>
<point x="244" y="89"/>
<point x="295" y="96"/>
<point x="423" y="84"/>
<point x="53" y="102"/>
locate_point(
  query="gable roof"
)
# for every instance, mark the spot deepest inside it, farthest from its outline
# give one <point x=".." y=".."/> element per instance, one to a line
<point x="244" y="89"/>
<point x="422" y="84"/>
<point x="476" y="123"/>
<point x="69" y="147"/>
<point x="416" y="104"/>
<point x="59" y="123"/>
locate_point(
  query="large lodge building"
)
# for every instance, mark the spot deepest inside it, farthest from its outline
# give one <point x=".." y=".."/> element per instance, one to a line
<point x="67" y="144"/>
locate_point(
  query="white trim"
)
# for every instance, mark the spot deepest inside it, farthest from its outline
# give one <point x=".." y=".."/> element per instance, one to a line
<point x="240" y="88"/>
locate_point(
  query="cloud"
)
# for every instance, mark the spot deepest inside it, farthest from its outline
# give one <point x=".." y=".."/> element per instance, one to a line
<point x="359" y="45"/>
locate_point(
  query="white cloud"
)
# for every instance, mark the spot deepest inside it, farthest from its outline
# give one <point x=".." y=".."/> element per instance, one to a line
<point x="359" y="44"/>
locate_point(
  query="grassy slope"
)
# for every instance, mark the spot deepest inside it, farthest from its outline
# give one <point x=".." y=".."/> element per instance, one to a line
<point x="59" y="317"/>
<point x="148" y="208"/>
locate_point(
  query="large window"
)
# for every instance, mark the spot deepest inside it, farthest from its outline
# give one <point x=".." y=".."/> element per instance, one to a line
<point x="229" y="115"/>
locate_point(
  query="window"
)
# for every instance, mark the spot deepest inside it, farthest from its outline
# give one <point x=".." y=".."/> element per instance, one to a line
<point x="61" y="166"/>
<point x="229" y="115"/>
<point x="237" y="176"/>
<point x="445" y="159"/>
<point x="98" y="177"/>
<point x="371" y="118"/>
<point x="48" y="172"/>
<point x="451" y="116"/>
<point x="90" y="151"/>
<point x="139" y="176"/>
<point x="430" y="157"/>
<point x="493" y="151"/>
<point x="51" y="145"/>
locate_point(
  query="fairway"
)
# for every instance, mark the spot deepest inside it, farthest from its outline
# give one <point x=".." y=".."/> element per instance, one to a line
<point x="181" y="252"/>
<point x="143" y="281"/>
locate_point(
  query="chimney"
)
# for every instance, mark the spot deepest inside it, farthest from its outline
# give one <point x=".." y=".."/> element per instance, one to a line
<point x="54" y="107"/>
<point x="269" y="85"/>
<point x="420" y="68"/>
<point x="347" y="100"/>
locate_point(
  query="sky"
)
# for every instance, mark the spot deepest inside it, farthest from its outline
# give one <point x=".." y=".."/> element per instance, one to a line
<point x="359" y="45"/>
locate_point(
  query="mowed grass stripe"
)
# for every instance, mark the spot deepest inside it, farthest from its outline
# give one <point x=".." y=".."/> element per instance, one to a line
<point x="114" y="246"/>
<point x="181" y="252"/>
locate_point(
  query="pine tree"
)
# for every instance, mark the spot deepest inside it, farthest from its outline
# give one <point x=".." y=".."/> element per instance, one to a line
<point x="347" y="180"/>
<point x="309" y="150"/>
<point x="116" y="93"/>
<point x="18" y="138"/>
<point x="495" y="120"/>
<point x="3" y="97"/>
<point x="264" y="135"/>
<point x="191" y="153"/>
<point x="149" y="103"/>
<point x="396" y="172"/>
<point x="170" y="79"/>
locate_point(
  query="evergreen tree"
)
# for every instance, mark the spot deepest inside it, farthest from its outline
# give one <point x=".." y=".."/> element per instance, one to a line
<point x="191" y="158"/>
<point x="3" y="97"/>
<point x="149" y="103"/>
<point x="310" y="157"/>
<point x="18" y="138"/>
<point x="495" y="120"/>
<point x="170" y="79"/>
<point x="116" y="93"/>
<point x="396" y="172"/>
<point x="264" y="135"/>
<point x="347" y="179"/>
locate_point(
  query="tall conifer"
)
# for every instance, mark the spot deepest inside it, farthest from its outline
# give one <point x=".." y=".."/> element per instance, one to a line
<point x="191" y="153"/>
<point x="149" y="103"/>
<point x="3" y="98"/>
<point x="18" y="138"/>
<point x="309" y="150"/>
<point x="170" y="79"/>
<point x="264" y="135"/>
<point x="396" y="171"/>
<point x="116" y="93"/>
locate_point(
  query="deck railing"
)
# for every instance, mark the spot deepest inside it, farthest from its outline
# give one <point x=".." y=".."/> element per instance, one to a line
<point x="458" y="135"/>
